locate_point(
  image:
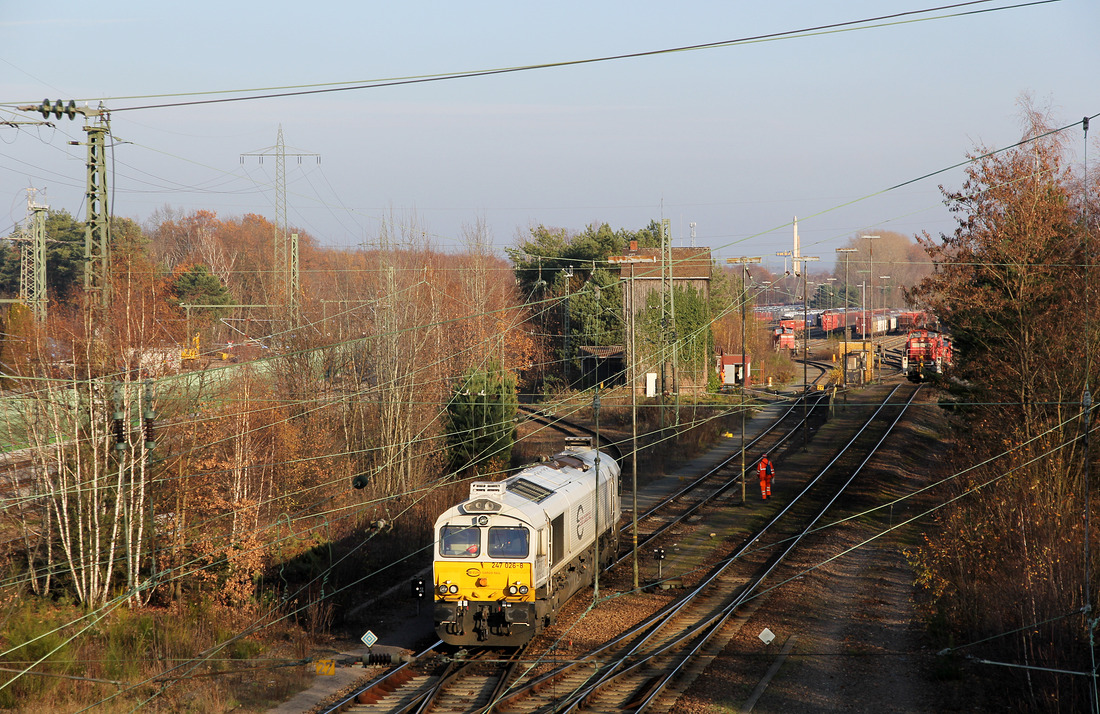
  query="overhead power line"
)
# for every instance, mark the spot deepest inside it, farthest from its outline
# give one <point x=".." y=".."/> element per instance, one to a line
<point x="329" y="87"/>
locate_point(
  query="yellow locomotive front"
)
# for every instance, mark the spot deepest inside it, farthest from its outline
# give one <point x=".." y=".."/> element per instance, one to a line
<point x="484" y="593"/>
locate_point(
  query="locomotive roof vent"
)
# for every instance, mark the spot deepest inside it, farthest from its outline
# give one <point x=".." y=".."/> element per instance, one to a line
<point x="529" y="489"/>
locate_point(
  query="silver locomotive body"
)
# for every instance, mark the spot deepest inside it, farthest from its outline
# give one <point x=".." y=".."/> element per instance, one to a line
<point x="509" y="557"/>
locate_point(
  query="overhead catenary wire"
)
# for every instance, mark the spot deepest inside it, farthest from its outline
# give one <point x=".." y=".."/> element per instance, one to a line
<point x="326" y="88"/>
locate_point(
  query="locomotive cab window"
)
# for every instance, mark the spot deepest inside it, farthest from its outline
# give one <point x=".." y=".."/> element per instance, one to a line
<point x="508" y="542"/>
<point x="459" y="541"/>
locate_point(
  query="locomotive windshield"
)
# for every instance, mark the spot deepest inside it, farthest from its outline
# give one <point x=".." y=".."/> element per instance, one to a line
<point x="459" y="541"/>
<point x="508" y="542"/>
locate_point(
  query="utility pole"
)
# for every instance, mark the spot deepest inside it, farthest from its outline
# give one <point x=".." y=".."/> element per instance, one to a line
<point x="805" y="354"/>
<point x="668" y="319"/>
<point x="32" y="259"/>
<point x="871" y="289"/>
<point x="628" y="304"/>
<point x="287" y="279"/>
<point x="846" y="252"/>
<point x="97" y="251"/>
<point x="599" y="565"/>
<point x="568" y="356"/>
<point x="744" y="262"/>
<point x="97" y="217"/>
<point x="32" y="273"/>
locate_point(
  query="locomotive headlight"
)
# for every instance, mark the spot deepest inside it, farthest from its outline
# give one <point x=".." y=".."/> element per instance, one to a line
<point x="453" y="589"/>
<point x="512" y="590"/>
<point x="523" y="589"/>
<point x="443" y="588"/>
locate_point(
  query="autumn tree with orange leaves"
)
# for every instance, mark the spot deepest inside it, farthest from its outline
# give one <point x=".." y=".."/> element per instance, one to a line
<point x="1013" y="286"/>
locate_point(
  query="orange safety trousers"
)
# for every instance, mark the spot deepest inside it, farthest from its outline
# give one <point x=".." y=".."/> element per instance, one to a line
<point x="766" y="481"/>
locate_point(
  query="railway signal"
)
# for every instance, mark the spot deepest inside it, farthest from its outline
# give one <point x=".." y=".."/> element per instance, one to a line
<point x="659" y="554"/>
<point x="417" y="586"/>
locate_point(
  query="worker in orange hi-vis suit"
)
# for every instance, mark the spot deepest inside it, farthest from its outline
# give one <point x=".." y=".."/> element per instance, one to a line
<point x="767" y="473"/>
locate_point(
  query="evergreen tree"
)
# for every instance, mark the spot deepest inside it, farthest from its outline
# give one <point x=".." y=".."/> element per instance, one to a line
<point x="481" y="420"/>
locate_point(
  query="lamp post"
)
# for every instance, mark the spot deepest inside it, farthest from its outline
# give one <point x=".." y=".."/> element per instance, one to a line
<point x="805" y="352"/>
<point x="744" y="262"/>
<point x="784" y="254"/>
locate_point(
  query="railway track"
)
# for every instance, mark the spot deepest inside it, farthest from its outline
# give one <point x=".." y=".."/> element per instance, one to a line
<point x="465" y="686"/>
<point x="713" y="484"/>
<point x="647" y="667"/>
<point x="440" y="684"/>
<point x="570" y="428"/>
<point x="653" y="662"/>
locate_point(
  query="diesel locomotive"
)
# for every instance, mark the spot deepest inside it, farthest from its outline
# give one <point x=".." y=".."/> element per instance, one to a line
<point x="926" y="355"/>
<point x="509" y="556"/>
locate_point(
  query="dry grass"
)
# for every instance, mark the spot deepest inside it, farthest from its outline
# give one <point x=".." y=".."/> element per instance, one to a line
<point x="178" y="659"/>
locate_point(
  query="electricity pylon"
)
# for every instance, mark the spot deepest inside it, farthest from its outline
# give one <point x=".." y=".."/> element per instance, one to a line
<point x="97" y="239"/>
<point x="287" y="279"/>
<point x="32" y="266"/>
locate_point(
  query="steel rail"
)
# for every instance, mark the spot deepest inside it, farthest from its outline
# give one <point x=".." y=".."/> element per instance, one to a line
<point x="654" y="622"/>
<point x="555" y="422"/>
<point x="712" y="625"/>
<point x="626" y="529"/>
<point x="349" y="700"/>
<point x="748" y="592"/>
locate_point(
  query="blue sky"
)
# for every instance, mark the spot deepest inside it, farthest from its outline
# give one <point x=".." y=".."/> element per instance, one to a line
<point x="736" y="139"/>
